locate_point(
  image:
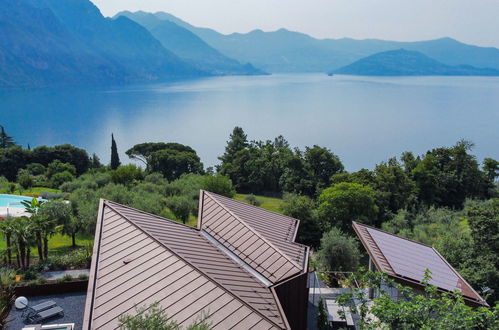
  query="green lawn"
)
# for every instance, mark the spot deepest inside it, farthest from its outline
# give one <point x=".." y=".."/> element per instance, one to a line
<point x="58" y="243"/>
<point x="268" y="203"/>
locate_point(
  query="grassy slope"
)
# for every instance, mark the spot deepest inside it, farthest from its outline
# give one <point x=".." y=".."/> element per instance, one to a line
<point x="268" y="203"/>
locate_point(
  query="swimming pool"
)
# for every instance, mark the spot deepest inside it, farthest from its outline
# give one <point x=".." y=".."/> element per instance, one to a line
<point x="13" y="200"/>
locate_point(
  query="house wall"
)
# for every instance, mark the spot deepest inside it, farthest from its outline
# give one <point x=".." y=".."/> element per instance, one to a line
<point x="293" y="296"/>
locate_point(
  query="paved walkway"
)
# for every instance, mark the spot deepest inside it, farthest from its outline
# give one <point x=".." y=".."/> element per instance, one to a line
<point x="61" y="273"/>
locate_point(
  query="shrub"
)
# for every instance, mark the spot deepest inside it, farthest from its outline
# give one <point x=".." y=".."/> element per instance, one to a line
<point x="219" y="184"/>
<point x="59" y="178"/>
<point x="83" y="277"/>
<point x="58" y="167"/>
<point x="25" y="180"/>
<point x="80" y="258"/>
<point x="36" y="168"/>
<point x="127" y="174"/>
<point x="251" y="199"/>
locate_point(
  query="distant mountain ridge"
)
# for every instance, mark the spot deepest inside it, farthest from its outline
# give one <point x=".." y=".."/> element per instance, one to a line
<point x="189" y="46"/>
<point x="47" y="43"/>
<point x="287" y="51"/>
<point x="409" y="63"/>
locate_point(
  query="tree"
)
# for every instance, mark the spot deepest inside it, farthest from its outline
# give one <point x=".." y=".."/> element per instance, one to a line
<point x="61" y="213"/>
<point x="25" y="179"/>
<point x="395" y="190"/>
<point x="6" y="141"/>
<point x="303" y="209"/>
<point x="60" y="178"/>
<point x="345" y="202"/>
<point x="430" y="309"/>
<point x="36" y="169"/>
<point x="219" y="184"/>
<point x="58" y="167"/>
<point x="173" y="163"/>
<point x="115" y="158"/>
<point x="65" y="153"/>
<point x="447" y="176"/>
<point x="12" y="160"/>
<point x="322" y="164"/>
<point x="482" y="268"/>
<point x="127" y="174"/>
<point x="154" y="318"/>
<point x="237" y="141"/>
<point x="338" y="251"/>
<point x="180" y="206"/>
<point x="23" y="236"/>
<point x="143" y="151"/>
<point x="95" y="162"/>
<point x="6" y="227"/>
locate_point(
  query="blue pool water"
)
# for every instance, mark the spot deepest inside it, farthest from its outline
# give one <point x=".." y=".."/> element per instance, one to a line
<point x="13" y="200"/>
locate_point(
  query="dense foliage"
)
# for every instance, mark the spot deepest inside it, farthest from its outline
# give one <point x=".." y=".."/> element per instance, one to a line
<point x="430" y="309"/>
<point x="273" y="167"/>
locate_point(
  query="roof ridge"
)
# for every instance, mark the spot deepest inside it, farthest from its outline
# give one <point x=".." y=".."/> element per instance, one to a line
<point x="150" y="214"/>
<point x="385" y="261"/>
<point x="297" y="221"/>
<point x="392" y="234"/>
<point x="106" y="203"/>
<point x="253" y="230"/>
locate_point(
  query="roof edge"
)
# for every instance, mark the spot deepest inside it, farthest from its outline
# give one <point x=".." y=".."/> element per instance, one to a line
<point x="252" y="229"/>
<point x="189" y="263"/>
<point x="368" y="249"/>
<point x="462" y="278"/>
<point x="392" y="234"/>
<point x="89" y="301"/>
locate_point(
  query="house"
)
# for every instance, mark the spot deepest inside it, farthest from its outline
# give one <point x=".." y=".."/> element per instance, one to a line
<point x="406" y="261"/>
<point x="240" y="266"/>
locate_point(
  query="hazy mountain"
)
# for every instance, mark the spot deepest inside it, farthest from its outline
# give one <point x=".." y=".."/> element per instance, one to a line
<point x="59" y="43"/>
<point x="188" y="45"/>
<point x="287" y="51"/>
<point x="409" y="63"/>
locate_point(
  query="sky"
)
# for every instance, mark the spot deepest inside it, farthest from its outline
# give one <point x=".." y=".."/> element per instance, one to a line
<point x="471" y="21"/>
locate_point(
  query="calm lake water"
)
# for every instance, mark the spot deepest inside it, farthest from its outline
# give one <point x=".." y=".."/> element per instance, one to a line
<point x="364" y="120"/>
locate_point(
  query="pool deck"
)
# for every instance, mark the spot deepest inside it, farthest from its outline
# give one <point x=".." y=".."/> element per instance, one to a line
<point x="14" y="212"/>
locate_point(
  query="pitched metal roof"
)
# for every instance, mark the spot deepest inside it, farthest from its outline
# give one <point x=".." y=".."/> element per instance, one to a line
<point x="408" y="260"/>
<point x="141" y="258"/>
<point x="262" y="239"/>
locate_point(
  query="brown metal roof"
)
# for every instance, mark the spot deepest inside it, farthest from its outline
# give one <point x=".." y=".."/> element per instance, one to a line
<point x="408" y="260"/>
<point x="277" y="228"/>
<point x="229" y="223"/>
<point x="140" y="258"/>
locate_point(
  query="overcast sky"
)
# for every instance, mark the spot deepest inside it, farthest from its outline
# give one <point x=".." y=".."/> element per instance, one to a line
<point x="470" y="21"/>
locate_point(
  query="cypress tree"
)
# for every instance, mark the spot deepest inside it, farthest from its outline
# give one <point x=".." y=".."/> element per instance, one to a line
<point x="115" y="158"/>
<point x="5" y="140"/>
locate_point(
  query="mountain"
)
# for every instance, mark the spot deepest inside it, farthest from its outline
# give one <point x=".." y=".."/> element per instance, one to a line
<point x="287" y="51"/>
<point x="189" y="46"/>
<point x="59" y="43"/>
<point x="409" y="63"/>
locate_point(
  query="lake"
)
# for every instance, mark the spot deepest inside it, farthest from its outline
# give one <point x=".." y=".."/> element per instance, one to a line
<point x="364" y="120"/>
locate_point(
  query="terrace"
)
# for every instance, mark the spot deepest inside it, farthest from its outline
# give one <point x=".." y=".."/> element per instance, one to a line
<point x="72" y="303"/>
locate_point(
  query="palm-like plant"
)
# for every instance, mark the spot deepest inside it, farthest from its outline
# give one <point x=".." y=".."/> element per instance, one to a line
<point x="23" y="235"/>
<point x="6" y="295"/>
<point x="6" y="229"/>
